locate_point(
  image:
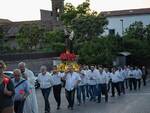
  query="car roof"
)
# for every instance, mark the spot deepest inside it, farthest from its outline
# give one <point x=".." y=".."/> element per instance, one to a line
<point x="8" y="72"/>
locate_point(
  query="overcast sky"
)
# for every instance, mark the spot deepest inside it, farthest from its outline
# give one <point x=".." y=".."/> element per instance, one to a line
<point x="20" y="10"/>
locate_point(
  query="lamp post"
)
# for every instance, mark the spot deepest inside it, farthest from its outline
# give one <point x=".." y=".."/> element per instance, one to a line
<point x="122" y="26"/>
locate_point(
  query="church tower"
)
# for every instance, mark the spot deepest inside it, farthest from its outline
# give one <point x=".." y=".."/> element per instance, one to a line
<point x="57" y="7"/>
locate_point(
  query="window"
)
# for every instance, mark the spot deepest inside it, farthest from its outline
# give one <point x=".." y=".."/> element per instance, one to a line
<point x="111" y="31"/>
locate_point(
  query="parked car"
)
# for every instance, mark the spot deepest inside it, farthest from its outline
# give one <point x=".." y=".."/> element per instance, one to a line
<point x="9" y="73"/>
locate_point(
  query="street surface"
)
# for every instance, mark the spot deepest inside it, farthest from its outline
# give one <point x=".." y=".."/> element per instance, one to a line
<point x="131" y="102"/>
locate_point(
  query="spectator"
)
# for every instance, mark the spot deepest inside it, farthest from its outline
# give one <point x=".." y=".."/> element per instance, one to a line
<point x="6" y="91"/>
<point x="21" y="91"/>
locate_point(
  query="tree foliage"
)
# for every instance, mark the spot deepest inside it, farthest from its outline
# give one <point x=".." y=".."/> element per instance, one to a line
<point x="83" y="21"/>
<point x="135" y="30"/>
<point x="97" y="51"/>
<point x="54" y="40"/>
<point x="29" y="36"/>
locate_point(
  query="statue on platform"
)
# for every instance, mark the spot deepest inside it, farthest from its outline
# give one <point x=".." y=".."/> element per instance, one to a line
<point x="69" y="35"/>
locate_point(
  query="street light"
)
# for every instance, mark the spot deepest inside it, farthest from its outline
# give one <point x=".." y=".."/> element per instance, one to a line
<point x="122" y="26"/>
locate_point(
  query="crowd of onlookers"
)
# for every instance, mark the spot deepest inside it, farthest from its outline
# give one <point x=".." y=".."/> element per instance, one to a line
<point x="89" y="82"/>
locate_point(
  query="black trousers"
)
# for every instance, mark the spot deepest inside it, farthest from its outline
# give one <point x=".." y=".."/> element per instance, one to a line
<point x="132" y="83"/>
<point x="117" y="87"/>
<point x="18" y="106"/>
<point x="45" y="93"/>
<point x="126" y="83"/>
<point x="138" y="83"/>
<point x="144" y="79"/>
<point x="103" y="91"/>
<point x="70" y="95"/>
<point x="57" y="94"/>
<point x="122" y="88"/>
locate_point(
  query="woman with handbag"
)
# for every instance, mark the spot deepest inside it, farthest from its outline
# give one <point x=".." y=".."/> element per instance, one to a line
<point x="21" y="91"/>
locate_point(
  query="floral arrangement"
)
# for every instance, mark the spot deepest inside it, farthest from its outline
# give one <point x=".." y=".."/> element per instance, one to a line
<point x="68" y="58"/>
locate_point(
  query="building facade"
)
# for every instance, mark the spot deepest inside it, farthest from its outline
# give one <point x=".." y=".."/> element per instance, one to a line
<point x="120" y="20"/>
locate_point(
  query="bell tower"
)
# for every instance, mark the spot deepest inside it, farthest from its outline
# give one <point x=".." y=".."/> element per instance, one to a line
<point x="57" y="7"/>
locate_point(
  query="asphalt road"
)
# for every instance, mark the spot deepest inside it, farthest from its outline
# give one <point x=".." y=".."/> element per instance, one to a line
<point x="131" y="102"/>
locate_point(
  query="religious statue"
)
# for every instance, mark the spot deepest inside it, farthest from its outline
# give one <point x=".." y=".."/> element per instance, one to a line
<point x="69" y="39"/>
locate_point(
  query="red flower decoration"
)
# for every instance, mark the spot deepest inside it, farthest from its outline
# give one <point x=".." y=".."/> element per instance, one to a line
<point x="67" y="56"/>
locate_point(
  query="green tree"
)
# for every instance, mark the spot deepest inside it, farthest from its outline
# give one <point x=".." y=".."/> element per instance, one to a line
<point x="135" y="30"/>
<point x="54" y="40"/>
<point x="29" y="37"/>
<point x="97" y="51"/>
<point x="83" y="21"/>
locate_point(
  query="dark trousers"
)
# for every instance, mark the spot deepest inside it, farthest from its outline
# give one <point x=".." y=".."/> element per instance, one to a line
<point x="122" y="88"/>
<point x="109" y="86"/>
<point x="126" y="83"/>
<point x="18" y="106"/>
<point x="81" y="93"/>
<point x="57" y="93"/>
<point x="93" y="92"/>
<point x="144" y="79"/>
<point x="115" y="86"/>
<point x="132" y="82"/>
<point x="87" y="90"/>
<point x="138" y="83"/>
<point x="102" y="89"/>
<point x="46" y="93"/>
<point x="70" y="97"/>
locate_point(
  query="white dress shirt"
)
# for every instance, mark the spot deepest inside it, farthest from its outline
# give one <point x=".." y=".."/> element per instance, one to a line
<point x="115" y="77"/>
<point x="93" y="76"/>
<point x="45" y="81"/>
<point x="138" y="74"/>
<point x="71" y="80"/>
<point x="86" y="76"/>
<point x="131" y="73"/>
<point x="120" y="75"/>
<point x="83" y="78"/>
<point x="56" y="78"/>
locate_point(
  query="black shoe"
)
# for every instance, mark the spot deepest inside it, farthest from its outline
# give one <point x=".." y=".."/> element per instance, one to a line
<point x="98" y="101"/>
<point x="91" y="99"/>
<point x="58" y="107"/>
<point x="71" y="108"/>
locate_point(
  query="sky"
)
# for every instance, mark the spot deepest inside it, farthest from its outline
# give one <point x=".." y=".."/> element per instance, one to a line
<point x="23" y="10"/>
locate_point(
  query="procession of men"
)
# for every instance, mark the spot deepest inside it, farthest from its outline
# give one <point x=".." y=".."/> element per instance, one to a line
<point x="89" y="83"/>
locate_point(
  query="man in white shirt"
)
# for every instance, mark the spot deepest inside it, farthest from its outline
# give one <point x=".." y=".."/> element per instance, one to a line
<point x="86" y="70"/>
<point x="125" y="74"/>
<point x="45" y="81"/>
<point x="57" y="84"/>
<point x="30" y="105"/>
<point x="115" y="82"/>
<point x="102" y="82"/>
<point x="132" y="79"/>
<point x="138" y="74"/>
<point x="81" y="87"/>
<point x="92" y="74"/>
<point x="121" y="80"/>
<point x="72" y="80"/>
<point x="144" y="74"/>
